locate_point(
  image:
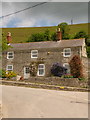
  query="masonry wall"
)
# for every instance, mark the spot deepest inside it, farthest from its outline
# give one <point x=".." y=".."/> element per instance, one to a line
<point x="71" y="82"/>
<point x="23" y="58"/>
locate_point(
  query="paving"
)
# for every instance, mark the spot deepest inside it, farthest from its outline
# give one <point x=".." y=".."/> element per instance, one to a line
<point x="22" y="102"/>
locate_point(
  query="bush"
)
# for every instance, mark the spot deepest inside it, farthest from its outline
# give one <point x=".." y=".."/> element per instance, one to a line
<point x="81" y="34"/>
<point x="54" y="36"/>
<point x="7" y="74"/>
<point x="81" y="78"/>
<point x="33" y="68"/>
<point x="2" y="73"/>
<point x="37" y="37"/>
<point x="58" y="70"/>
<point x="67" y="76"/>
<point x="10" y="74"/>
<point x="76" y="67"/>
<point x="88" y="51"/>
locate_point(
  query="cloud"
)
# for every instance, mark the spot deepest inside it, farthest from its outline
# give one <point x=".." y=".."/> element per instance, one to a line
<point x="48" y="14"/>
<point x="25" y="23"/>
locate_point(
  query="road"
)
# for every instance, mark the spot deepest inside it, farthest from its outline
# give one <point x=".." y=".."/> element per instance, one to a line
<point x="21" y="102"/>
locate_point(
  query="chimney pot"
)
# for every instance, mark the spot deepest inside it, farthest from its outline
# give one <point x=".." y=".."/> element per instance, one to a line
<point x="8" y="38"/>
<point x="59" y="34"/>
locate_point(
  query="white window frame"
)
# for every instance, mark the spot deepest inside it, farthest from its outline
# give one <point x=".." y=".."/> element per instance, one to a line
<point x="26" y="75"/>
<point x="9" y="69"/>
<point x="34" y="54"/>
<point x="41" y="68"/>
<point x="8" y="55"/>
<point x="66" y="64"/>
<point x="64" y="52"/>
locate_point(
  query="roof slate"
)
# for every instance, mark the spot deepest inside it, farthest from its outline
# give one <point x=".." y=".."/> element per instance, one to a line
<point x="48" y="44"/>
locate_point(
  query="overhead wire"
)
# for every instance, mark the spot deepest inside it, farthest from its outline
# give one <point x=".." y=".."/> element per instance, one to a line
<point x="23" y="10"/>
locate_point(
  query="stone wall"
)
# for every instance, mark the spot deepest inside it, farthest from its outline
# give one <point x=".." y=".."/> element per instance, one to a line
<point x="71" y="82"/>
<point x="85" y="66"/>
<point x="89" y="69"/>
<point x="23" y="58"/>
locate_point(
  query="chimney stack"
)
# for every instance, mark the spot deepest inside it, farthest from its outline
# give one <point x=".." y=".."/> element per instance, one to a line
<point x="9" y="38"/>
<point x="59" y="34"/>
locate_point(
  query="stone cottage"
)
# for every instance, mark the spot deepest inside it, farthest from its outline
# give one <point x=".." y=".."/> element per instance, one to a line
<point x="19" y="57"/>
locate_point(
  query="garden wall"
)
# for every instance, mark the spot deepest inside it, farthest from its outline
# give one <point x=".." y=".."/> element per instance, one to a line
<point x="71" y="82"/>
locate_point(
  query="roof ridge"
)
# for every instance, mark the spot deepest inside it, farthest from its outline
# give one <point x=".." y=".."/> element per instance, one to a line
<point x="47" y="41"/>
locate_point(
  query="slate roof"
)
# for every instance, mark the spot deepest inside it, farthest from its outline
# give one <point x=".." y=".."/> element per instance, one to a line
<point x="48" y="44"/>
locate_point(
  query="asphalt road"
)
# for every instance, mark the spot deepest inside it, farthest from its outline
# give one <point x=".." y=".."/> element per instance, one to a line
<point x="20" y="102"/>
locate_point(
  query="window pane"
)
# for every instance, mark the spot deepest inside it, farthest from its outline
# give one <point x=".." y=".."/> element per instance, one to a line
<point x="41" y="72"/>
<point x="27" y="70"/>
<point x="41" y="66"/>
<point x="10" y="53"/>
<point x="68" y="67"/>
<point x="67" y="53"/>
<point x="10" y="56"/>
<point x="67" y="50"/>
<point x="34" y="52"/>
<point x="34" y="55"/>
<point x="9" y="68"/>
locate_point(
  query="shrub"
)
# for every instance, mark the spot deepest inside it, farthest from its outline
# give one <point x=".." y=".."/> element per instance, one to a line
<point x="67" y="76"/>
<point x="10" y="74"/>
<point x="37" y="37"/>
<point x="58" y="70"/>
<point x="76" y="67"/>
<point x="88" y="51"/>
<point x="81" y="34"/>
<point x="2" y="73"/>
<point x="34" y="67"/>
<point x="81" y="78"/>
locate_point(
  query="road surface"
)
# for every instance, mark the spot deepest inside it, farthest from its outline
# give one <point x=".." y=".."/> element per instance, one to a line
<point x="21" y="102"/>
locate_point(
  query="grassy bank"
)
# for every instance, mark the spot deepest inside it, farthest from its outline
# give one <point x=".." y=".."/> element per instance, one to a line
<point x="22" y="34"/>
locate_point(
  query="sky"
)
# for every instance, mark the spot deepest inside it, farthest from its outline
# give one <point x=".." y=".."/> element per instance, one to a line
<point x="48" y="14"/>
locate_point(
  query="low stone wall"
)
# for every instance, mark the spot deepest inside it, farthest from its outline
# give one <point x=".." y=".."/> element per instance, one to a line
<point x="71" y="82"/>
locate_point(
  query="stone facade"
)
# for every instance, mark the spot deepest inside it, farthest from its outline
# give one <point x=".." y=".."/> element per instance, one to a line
<point x="47" y="55"/>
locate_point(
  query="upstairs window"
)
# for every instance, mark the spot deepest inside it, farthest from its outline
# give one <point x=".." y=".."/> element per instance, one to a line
<point x="67" y="52"/>
<point x="34" y="54"/>
<point x="9" y="68"/>
<point x="10" y="55"/>
<point x="41" y="70"/>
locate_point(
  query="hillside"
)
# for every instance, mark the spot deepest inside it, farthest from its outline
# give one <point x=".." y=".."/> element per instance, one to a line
<point x="22" y="34"/>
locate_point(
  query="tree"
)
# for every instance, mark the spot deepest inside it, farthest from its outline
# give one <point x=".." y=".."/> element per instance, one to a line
<point x="36" y="37"/>
<point x="81" y="34"/>
<point x="87" y="41"/>
<point x="54" y="36"/>
<point x="88" y="51"/>
<point x="76" y="67"/>
<point x="64" y="29"/>
<point x="4" y="44"/>
<point x="47" y="35"/>
<point x="58" y="70"/>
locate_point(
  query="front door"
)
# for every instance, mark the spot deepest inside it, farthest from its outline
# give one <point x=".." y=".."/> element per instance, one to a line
<point x="26" y="72"/>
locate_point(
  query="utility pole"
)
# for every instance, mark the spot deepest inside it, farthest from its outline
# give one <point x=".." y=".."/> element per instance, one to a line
<point x="71" y="21"/>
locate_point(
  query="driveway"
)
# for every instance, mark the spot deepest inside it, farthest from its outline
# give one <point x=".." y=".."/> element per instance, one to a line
<point x="21" y="102"/>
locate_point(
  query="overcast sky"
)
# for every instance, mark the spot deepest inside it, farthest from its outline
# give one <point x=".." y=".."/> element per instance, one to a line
<point x="49" y="14"/>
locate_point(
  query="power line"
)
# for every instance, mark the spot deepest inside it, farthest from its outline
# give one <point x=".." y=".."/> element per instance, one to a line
<point x="23" y="10"/>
